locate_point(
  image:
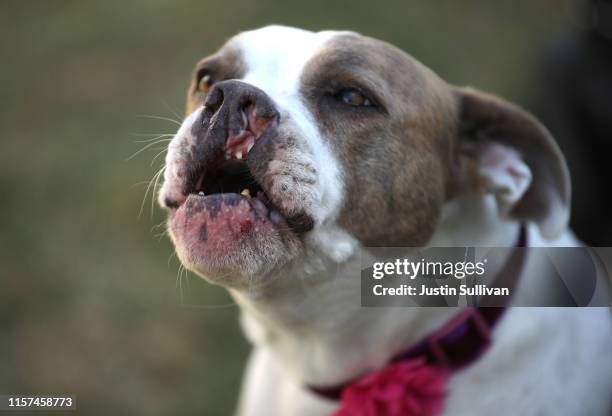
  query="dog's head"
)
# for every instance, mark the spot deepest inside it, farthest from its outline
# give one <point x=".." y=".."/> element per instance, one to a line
<point x="299" y="142"/>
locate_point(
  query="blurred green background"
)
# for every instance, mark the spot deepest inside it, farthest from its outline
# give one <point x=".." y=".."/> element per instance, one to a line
<point x="90" y="303"/>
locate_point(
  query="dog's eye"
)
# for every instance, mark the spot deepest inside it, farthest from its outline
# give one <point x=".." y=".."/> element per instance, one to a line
<point x="205" y="82"/>
<point x="354" y="98"/>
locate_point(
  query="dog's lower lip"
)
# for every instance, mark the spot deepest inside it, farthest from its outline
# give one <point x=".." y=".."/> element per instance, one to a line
<point x="260" y="203"/>
<point x="299" y="224"/>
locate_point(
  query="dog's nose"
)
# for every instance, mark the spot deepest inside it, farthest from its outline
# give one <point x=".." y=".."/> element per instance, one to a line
<point x="240" y="111"/>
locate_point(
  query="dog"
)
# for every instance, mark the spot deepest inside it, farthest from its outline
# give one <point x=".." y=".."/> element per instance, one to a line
<point x="300" y="150"/>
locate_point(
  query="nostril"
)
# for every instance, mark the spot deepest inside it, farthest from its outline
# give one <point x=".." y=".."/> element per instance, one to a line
<point x="260" y="119"/>
<point x="213" y="101"/>
<point x="245" y="110"/>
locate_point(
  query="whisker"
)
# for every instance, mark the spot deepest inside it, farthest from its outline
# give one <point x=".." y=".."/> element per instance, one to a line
<point x="159" y="172"/>
<point x="155" y="185"/>
<point x="183" y="274"/>
<point x="157" y="226"/>
<point x="179" y="277"/>
<point x="163" y="150"/>
<point x="153" y="139"/>
<point x="159" y="148"/>
<point x="161" y="235"/>
<point x="173" y="111"/>
<point x="141" y="150"/>
<point x="158" y="118"/>
<point x="150" y="134"/>
<point x="187" y="280"/>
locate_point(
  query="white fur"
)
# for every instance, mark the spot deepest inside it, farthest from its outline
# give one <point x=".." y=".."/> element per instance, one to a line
<point x="173" y="165"/>
<point x="275" y="57"/>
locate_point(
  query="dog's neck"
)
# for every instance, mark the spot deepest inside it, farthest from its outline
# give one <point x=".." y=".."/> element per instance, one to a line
<point x="316" y="325"/>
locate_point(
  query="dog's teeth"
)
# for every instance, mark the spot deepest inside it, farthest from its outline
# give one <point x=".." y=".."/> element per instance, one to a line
<point x="227" y="156"/>
<point x="201" y="193"/>
<point x="239" y="155"/>
<point x="246" y="192"/>
<point x="250" y="146"/>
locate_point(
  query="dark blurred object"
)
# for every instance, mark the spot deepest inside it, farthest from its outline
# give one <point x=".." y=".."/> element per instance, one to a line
<point x="574" y="100"/>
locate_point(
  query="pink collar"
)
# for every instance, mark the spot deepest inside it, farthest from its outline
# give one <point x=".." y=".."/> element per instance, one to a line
<point x="458" y="343"/>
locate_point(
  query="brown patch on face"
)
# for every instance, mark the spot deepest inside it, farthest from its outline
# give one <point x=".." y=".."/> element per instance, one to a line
<point x="397" y="156"/>
<point x="227" y="63"/>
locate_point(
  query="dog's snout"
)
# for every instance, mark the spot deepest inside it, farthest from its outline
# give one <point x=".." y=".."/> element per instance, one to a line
<point x="239" y="111"/>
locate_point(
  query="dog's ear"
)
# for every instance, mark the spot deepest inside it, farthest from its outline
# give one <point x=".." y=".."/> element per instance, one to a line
<point x="516" y="159"/>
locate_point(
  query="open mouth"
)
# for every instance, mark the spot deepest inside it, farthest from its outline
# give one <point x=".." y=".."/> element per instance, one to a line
<point x="233" y="178"/>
